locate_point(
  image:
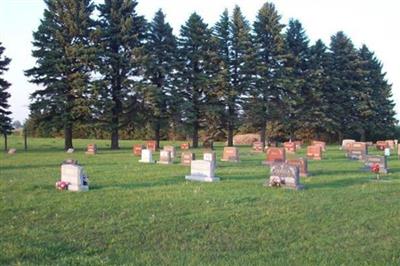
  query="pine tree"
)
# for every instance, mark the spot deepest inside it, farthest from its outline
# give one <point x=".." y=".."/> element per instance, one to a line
<point x="160" y="64"/>
<point x="5" y="120"/>
<point x="63" y="63"/>
<point x="197" y="64"/>
<point x="344" y="87"/>
<point x="121" y="35"/>
<point x="267" y="94"/>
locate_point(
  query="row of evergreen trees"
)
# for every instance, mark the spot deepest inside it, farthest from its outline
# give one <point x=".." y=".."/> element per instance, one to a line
<point x="118" y="71"/>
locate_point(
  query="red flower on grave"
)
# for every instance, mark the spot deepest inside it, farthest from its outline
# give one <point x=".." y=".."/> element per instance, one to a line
<point x="375" y="168"/>
<point x="61" y="185"/>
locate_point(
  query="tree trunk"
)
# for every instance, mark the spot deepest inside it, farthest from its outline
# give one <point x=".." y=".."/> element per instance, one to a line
<point x="340" y="136"/>
<point x="25" y="139"/>
<point x="262" y="133"/>
<point x="157" y="130"/>
<point x="231" y="112"/>
<point x="195" y="137"/>
<point x="5" y="143"/>
<point x="68" y="137"/>
<point x="114" y="130"/>
<point x="362" y="135"/>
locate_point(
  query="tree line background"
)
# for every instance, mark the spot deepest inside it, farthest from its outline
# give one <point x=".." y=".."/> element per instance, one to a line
<point x="115" y="75"/>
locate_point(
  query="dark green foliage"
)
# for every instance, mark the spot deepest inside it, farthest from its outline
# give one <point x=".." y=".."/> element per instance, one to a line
<point x="63" y="55"/>
<point x="120" y="42"/>
<point x="5" y="120"/>
<point x="160" y="63"/>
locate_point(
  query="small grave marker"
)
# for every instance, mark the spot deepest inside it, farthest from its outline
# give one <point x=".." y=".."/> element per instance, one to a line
<point x="230" y="154"/>
<point x="185" y="146"/>
<point x="12" y="151"/>
<point x="172" y="150"/>
<point x="70" y="150"/>
<point x="322" y="144"/>
<point x="91" y="149"/>
<point x="137" y="149"/>
<point x="210" y="156"/>
<point x="289" y="147"/>
<point x="147" y="156"/>
<point x="165" y="157"/>
<point x="151" y="145"/>
<point x="258" y="146"/>
<point x="314" y="152"/>
<point x="187" y="157"/>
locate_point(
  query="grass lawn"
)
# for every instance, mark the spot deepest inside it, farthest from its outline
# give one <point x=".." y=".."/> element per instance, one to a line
<point x="148" y="214"/>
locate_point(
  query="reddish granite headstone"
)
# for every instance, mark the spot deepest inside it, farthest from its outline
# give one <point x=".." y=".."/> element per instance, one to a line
<point x="231" y="154"/>
<point x="275" y="155"/>
<point x="290" y="147"/>
<point x="151" y="145"/>
<point x="137" y="149"/>
<point x="302" y="163"/>
<point x="314" y="152"/>
<point x="187" y="157"/>
<point x="356" y="150"/>
<point x="381" y="145"/>
<point x="322" y="144"/>
<point x="91" y="149"/>
<point x="185" y="146"/>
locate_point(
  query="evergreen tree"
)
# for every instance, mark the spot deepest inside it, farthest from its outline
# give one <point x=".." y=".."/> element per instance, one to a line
<point x="121" y="35"/>
<point x="267" y="94"/>
<point x="197" y="64"/>
<point x="344" y="87"/>
<point x="160" y="64"/>
<point x="5" y="120"/>
<point x="63" y="55"/>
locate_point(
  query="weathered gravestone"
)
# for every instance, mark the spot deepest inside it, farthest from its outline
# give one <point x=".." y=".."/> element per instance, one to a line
<point x="381" y="145"/>
<point x="91" y="149"/>
<point x="322" y="144"/>
<point x="147" y="156"/>
<point x="258" y="146"/>
<point x="70" y="150"/>
<point x="356" y="150"/>
<point x="137" y="149"/>
<point x="201" y="170"/>
<point x="185" y="146"/>
<point x="301" y="163"/>
<point x="165" y="157"/>
<point x="151" y="145"/>
<point x="284" y="175"/>
<point x="12" y="151"/>
<point x="371" y="160"/>
<point x="172" y="150"/>
<point x="289" y="147"/>
<point x="210" y="156"/>
<point x="345" y="142"/>
<point x="314" y="152"/>
<point x="187" y="157"/>
<point x="275" y="155"/>
<point x="230" y="154"/>
<point x="73" y="174"/>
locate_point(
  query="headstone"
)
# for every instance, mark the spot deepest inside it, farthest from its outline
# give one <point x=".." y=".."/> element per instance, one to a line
<point x="301" y="163"/>
<point x="347" y="141"/>
<point x="201" y="170"/>
<point x="151" y="145"/>
<point x="387" y="152"/>
<point x="275" y="155"/>
<point x="187" y="157"/>
<point x="290" y="146"/>
<point x="91" y="149"/>
<point x="370" y="160"/>
<point x="284" y="175"/>
<point x="70" y="150"/>
<point x="185" y="146"/>
<point x="147" y="156"/>
<point x="172" y="150"/>
<point x="258" y="146"/>
<point x="322" y="144"/>
<point x="314" y="152"/>
<point x="165" y="157"/>
<point x="390" y="144"/>
<point x="137" y="149"/>
<point x="356" y="150"/>
<point x="12" y="151"/>
<point x="73" y="174"/>
<point x="210" y="156"/>
<point x="230" y="154"/>
<point x="298" y="144"/>
<point x="381" y="145"/>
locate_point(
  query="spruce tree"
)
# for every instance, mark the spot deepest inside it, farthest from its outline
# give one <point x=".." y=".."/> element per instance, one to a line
<point x="121" y="35"/>
<point x="160" y="64"/>
<point x="197" y="63"/>
<point x="63" y="53"/>
<point x="5" y="120"/>
<point x="267" y="93"/>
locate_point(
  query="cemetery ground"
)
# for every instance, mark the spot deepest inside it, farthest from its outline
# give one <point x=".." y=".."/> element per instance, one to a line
<point x="148" y="214"/>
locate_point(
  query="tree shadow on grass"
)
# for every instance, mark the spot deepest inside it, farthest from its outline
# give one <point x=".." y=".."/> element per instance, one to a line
<point x="339" y="183"/>
<point x="140" y="185"/>
<point x="317" y="173"/>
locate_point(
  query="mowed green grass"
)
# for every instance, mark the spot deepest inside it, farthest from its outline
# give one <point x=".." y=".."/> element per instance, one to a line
<point x="149" y="215"/>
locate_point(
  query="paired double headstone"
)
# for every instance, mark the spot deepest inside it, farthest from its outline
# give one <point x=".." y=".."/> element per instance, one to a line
<point x="284" y="175"/>
<point x="275" y="155"/>
<point x="230" y="154"/>
<point x="356" y="150"/>
<point x="73" y="174"/>
<point x="202" y="170"/>
<point x="371" y="160"/>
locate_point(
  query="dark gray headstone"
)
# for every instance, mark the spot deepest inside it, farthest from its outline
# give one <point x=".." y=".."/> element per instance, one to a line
<point x="284" y="175"/>
<point x="370" y="160"/>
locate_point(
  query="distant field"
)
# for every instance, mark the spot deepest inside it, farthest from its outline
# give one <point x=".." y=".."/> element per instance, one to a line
<point x="148" y="214"/>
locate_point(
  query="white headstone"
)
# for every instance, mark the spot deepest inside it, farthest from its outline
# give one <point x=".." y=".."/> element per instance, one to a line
<point x="165" y="157"/>
<point x="147" y="156"/>
<point x="74" y="175"/>
<point x="345" y="142"/>
<point x="201" y="170"/>
<point x="387" y="152"/>
<point x="210" y="156"/>
<point x="12" y="151"/>
<point x="70" y="150"/>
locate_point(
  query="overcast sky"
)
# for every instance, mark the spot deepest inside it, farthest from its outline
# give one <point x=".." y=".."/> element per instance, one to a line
<point x="370" y="22"/>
